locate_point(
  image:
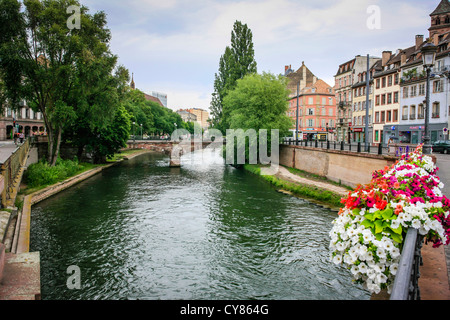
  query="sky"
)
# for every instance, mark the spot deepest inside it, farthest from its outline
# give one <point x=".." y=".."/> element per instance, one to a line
<point x="174" y="46"/>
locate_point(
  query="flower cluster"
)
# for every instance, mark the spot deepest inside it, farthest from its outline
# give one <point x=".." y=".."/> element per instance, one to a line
<point x="369" y="232"/>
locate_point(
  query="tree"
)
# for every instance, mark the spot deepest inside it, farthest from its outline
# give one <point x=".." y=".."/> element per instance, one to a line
<point x="259" y="102"/>
<point x="237" y="61"/>
<point x="64" y="74"/>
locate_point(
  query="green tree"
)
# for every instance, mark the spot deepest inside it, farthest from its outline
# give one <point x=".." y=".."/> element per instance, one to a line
<point x="237" y="61"/>
<point x="259" y="102"/>
<point x="56" y="69"/>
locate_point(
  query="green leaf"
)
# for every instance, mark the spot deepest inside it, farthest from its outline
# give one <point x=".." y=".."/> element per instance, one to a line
<point x="397" y="237"/>
<point x="369" y="216"/>
<point x="356" y="211"/>
<point x="387" y="214"/>
<point x="368" y="224"/>
<point x="398" y="230"/>
<point x="379" y="226"/>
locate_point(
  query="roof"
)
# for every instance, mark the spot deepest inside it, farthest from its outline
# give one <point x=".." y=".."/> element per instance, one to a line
<point x="302" y="74"/>
<point x="154" y="99"/>
<point x="443" y="7"/>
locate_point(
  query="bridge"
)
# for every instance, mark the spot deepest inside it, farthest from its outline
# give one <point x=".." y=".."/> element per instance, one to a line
<point x="173" y="148"/>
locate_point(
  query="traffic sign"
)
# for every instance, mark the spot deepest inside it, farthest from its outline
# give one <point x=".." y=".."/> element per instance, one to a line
<point x="445" y="130"/>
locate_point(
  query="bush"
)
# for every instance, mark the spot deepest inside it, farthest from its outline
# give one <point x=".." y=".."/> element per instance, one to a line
<point x="42" y="174"/>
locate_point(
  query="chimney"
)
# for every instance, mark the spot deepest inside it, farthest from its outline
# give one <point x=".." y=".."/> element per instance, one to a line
<point x="419" y="41"/>
<point x="385" y="57"/>
<point x="403" y="58"/>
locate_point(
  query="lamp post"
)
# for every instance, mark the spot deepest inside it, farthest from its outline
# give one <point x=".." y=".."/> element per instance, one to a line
<point x="134" y="136"/>
<point x="142" y="138"/>
<point x="428" y="55"/>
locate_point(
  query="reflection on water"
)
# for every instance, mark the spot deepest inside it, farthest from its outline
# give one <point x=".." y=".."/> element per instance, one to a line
<point x="143" y="230"/>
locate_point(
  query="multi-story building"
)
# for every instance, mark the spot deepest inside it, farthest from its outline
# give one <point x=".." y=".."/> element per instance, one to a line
<point x="26" y="120"/>
<point x="187" y="116"/>
<point x="316" y="112"/>
<point x="411" y="128"/>
<point x="387" y="94"/>
<point x="345" y="78"/>
<point x="202" y="116"/>
<point x="359" y="105"/>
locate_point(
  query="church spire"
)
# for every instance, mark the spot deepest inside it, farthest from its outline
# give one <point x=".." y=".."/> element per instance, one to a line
<point x="132" y="85"/>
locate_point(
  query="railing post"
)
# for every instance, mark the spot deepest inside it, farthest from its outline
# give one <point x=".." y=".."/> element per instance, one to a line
<point x="328" y="144"/>
<point x="380" y="148"/>
<point x="342" y="145"/>
<point x="316" y="144"/>
<point x="359" y="147"/>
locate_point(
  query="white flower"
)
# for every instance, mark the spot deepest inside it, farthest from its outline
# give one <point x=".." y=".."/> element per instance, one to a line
<point x="393" y="268"/>
<point x="395" y="252"/>
<point x="337" y="259"/>
<point x="416" y="224"/>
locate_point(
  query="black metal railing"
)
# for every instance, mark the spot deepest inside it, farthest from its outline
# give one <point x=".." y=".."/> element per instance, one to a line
<point x="406" y="284"/>
<point x="360" y="147"/>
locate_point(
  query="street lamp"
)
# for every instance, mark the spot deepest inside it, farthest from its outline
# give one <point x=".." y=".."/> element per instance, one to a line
<point x="428" y="55"/>
<point x="141" y="133"/>
<point x="134" y="136"/>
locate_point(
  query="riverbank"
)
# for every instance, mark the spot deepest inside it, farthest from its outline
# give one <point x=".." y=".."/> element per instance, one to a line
<point x="19" y="268"/>
<point x="309" y="187"/>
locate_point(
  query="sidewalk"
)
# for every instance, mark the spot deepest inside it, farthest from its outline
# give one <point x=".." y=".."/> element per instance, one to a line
<point x="6" y="149"/>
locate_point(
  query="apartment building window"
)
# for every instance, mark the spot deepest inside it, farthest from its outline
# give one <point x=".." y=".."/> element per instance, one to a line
<point x="383" y="82"/>
<point x="389" y="98"/>
<point x="420" y="112"/>
<point x="396" y="97"/>
<point x="405" y="113"/>
<point x="395" y="115"/>
<point x="9" y="113"/>
<point x="382" y="116"/>
<point x="377" y="117"/>
<point x="378" y="84"/>
<point x="396" y="78"/>
<point x="422" y="89"/>
<point x="377" y="135"/>
<point x="311" y="112"/>
<point x="405" y="92"/>
<point x="388" y="116"/>
<point x="437" y="86"/>
<point x="323" y="123"/>
<point x="311" y="100"/>
<point x="310" y="122"/>
<point x="436" y="110"/>
<point x="412" y="112"/>
<point x="383" y="99"/>
<point x="324" y="111"/>
<point x="413" y="91"/>
<point x="377" y="100"/>
<point x="389" y="81"/>
<point x="330" y="112"/>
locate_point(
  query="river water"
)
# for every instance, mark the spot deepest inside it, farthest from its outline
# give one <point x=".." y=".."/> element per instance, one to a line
<point x="206" y="231"/>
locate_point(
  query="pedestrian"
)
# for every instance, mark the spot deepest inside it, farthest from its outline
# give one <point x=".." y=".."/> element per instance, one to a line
<point x="21" y="136"/>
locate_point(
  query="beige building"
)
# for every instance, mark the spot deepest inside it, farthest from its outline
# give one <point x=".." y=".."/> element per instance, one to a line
<point x="27" y="122"/>
<point x="202" y="116"/>
<point x="187" y="116"/>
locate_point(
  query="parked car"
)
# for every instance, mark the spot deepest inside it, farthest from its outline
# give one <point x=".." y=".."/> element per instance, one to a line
<point x="442" y="146"/>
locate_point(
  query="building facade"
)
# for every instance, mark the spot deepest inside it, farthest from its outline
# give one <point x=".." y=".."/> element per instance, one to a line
<point x="25" y="119"/>
<point x="187" y="116"/>
<point x="316" y="112"/>
<point x="202" y="117"/>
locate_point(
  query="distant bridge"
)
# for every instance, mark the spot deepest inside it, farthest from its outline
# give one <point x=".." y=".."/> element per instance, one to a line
<point x="173" y="148"/>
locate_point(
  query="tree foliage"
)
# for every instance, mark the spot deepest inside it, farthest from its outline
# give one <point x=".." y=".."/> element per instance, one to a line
<point x="237" y="61"/>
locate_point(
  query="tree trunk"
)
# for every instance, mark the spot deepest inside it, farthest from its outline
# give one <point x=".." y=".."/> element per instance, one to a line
<point x="58" y="145"/>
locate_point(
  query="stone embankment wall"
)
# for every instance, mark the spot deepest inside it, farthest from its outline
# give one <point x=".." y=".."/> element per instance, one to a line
<point x="348" y="168"/>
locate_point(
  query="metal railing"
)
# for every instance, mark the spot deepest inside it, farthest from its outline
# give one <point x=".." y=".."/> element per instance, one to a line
<point x="359" y="147"/>
<point x="406" y="284"/>
<point x="10" y="170"/>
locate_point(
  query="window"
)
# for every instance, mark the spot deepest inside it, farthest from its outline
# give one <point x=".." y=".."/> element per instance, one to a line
<point x="330" y="112"/>
<point x="395" y="115"/>
<point x="311" y="100"/>
<point x="388" y="116"/>
<point x="383" y="99"/>
<point x="389" y="81"/>
<point x="396" y="97"/>
<point x="396" y="78"/>
<point x="377" y="117"/>
<point x="413" y="92"/>
<point x="389" y="98"/>
<point x="422" y="89"/>
<point x="420" y="112"/>
<point x="412" y="112"/>
<point x="310" y="122"/>
<point x="436" y="110"/>
<point x="383" y="82"/>
<point x="376" y="135"/>
<point x="405" y="113"/>
<point x="310" y="111"/>
<point x="437" y="86"/>
<point x="378" y="84"/>
<point x="405" y="92"/>
<point x="377" y="100"/>
<point x="382" y="117"/>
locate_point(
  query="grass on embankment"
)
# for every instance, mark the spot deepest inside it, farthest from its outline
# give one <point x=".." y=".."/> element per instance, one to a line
<point x="41" y="175"/>
<point x="314" y="194"/>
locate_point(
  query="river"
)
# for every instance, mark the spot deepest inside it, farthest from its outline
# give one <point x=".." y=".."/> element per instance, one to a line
<point x="206" y="231"/>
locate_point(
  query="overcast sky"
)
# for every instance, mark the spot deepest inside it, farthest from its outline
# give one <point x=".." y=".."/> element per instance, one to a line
<point x="174" y="46"/>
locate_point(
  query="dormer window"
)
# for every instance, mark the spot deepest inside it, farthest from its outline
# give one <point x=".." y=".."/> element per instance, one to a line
<point x="438" y="21"/>
<point x="447" y="19"/>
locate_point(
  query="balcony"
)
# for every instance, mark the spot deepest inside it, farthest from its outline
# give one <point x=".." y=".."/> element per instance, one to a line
<point x="420" y="116"/>
<point x="405" y="117"/>
<point x="435" y="115"/>
<point x="343" y="104"/>
<point x="412" y="117"/>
